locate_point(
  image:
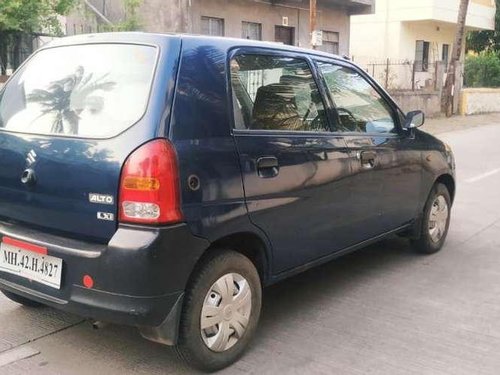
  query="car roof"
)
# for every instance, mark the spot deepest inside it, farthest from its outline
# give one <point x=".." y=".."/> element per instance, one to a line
<point x="155" y="38"/>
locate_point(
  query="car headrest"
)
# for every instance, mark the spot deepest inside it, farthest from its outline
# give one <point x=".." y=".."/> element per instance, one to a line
<point x="295" y="80"/>
<point x="274" y="106"/>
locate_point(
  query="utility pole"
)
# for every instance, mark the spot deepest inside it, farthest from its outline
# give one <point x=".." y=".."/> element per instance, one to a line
<point x="449" y="88"/>
<point x="312" y="20"/>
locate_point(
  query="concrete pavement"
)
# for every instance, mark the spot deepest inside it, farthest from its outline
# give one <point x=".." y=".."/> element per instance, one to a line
<point x="383" y="310"/>
<point x="440" y="125"/>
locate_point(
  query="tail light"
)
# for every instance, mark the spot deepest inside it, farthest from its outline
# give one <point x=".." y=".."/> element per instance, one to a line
<point x="149" y="185"/>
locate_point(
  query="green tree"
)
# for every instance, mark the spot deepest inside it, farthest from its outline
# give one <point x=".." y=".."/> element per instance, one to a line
<point x="131" y="20"/>
<point x="482" y="70"/>
<point x="24" y="17"/>
<point x="479" y="41"/>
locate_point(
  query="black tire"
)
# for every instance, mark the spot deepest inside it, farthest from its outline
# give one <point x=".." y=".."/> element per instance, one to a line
<point x="425" y="244"/>
<point x="21" y="300"/>
<point x="191" y="346"/>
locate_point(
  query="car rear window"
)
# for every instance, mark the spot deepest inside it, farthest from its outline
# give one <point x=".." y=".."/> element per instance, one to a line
<point x="89" y="91"/>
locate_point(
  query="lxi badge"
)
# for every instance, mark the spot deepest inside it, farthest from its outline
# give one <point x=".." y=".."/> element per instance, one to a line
<point x="105" y="216"/>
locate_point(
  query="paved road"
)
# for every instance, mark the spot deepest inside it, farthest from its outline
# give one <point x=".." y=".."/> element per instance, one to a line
<point x="384" y="310"/>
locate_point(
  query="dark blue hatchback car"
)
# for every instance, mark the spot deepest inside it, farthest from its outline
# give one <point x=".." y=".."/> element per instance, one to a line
<point x="159" y="181"/>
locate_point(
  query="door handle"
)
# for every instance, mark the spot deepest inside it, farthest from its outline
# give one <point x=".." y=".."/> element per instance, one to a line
<point x="267" y="167"/>
<point x="368" y="159"/>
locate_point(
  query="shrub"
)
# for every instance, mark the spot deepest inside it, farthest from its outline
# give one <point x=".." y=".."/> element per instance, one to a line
<point x="482" y="70"/>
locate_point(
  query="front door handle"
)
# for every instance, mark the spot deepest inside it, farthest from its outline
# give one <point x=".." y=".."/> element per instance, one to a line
<point x="368" y="159"/>
<point x="267" y="167"/>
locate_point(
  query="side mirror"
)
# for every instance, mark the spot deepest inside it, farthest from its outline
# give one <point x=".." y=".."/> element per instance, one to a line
<point x="414" y="119"/>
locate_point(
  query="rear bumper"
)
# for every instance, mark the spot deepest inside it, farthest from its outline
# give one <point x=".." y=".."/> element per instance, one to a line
<point x="139" y="276"/>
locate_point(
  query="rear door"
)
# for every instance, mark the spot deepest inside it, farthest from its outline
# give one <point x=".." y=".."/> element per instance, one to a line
<point x="386" y="166"/>
<point x="295" y="171"/>
<point x="62" y="141"/>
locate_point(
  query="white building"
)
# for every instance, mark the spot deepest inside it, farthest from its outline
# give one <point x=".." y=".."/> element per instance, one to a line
<point x="407" y="31"/>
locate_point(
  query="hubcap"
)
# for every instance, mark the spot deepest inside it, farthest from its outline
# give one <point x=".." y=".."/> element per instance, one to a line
<point x="226" y="312"/>
<point x="438" y="218"/>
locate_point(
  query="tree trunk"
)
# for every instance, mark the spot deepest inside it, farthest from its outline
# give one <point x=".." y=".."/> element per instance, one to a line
<point x="4" y="41"/>
<point x="17" y="49"/>
<point x="312" y="19"/>
<point x="449" y="89"/>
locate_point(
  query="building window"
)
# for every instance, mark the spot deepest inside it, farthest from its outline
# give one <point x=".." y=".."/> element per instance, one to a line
<point x="251" y="30"/>
<point x="446" y="54"/>
<point x="212" y="26"/>
<point x="422" y="56"/>
<point x="330" y="42"/>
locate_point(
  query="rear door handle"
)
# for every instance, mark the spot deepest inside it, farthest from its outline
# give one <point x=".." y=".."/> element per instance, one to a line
<point x="267" y="167"/>
<point x="368" y="159"/>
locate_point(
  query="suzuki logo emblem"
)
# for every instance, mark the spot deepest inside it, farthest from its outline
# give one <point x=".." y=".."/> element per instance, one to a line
<point x="31" y="158"/>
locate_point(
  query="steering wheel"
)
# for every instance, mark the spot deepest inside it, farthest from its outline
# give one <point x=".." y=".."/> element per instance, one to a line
<point x="318" y="123"/>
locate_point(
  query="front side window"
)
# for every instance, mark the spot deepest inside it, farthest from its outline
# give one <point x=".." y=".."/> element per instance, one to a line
<point x="359" y="106"/>
<point x="276" y="93"/>
<point x="93" y="91"/>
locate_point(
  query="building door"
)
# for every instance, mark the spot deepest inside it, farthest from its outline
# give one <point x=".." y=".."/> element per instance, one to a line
<point x="285" y="35"/>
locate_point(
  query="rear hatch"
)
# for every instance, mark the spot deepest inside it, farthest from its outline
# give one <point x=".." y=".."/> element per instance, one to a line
<point x="63" y="119"/>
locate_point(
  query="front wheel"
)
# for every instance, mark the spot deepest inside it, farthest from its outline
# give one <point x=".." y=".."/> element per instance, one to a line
<point x="221" y="311"/>
<point x="436" y="221"/>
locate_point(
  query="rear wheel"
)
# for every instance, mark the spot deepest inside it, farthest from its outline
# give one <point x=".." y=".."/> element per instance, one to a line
<point x="221" y="311"/>
<point x="436" y="221"/>
<point x="21" y="300"/>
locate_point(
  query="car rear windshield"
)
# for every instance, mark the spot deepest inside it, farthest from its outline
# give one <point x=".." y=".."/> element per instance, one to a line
<point x="89" y="91"/>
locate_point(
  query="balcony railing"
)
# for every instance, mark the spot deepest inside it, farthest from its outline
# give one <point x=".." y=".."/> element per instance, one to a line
<point x="481" y="14"/>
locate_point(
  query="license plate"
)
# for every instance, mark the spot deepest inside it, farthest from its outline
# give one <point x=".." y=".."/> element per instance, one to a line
<point x="30" y="262"/>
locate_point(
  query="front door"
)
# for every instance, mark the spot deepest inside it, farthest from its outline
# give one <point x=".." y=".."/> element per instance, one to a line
<point x="285" y="35"/>
<point x="295" y="171"/>
<point x="386" y="168"/>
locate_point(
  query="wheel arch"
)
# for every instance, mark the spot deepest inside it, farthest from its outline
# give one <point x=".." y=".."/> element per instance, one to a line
<point x="250" y="244"/>
<point x="448" y="181"/>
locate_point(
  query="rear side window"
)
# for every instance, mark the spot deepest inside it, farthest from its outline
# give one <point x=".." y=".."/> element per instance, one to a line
<point x="276" y="93"/>
<point x="89" y="91"/>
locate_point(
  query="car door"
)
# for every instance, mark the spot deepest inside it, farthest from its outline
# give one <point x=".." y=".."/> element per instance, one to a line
<point x="386" y="166"/>
<point x="295" y="171"/>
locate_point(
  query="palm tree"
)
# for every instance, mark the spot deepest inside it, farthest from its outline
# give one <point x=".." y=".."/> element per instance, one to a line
<point x="447" y="100"/>
<point x="61" y="96"/>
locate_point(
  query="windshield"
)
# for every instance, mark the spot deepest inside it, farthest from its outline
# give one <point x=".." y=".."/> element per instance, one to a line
<point x="93" y="91"/>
